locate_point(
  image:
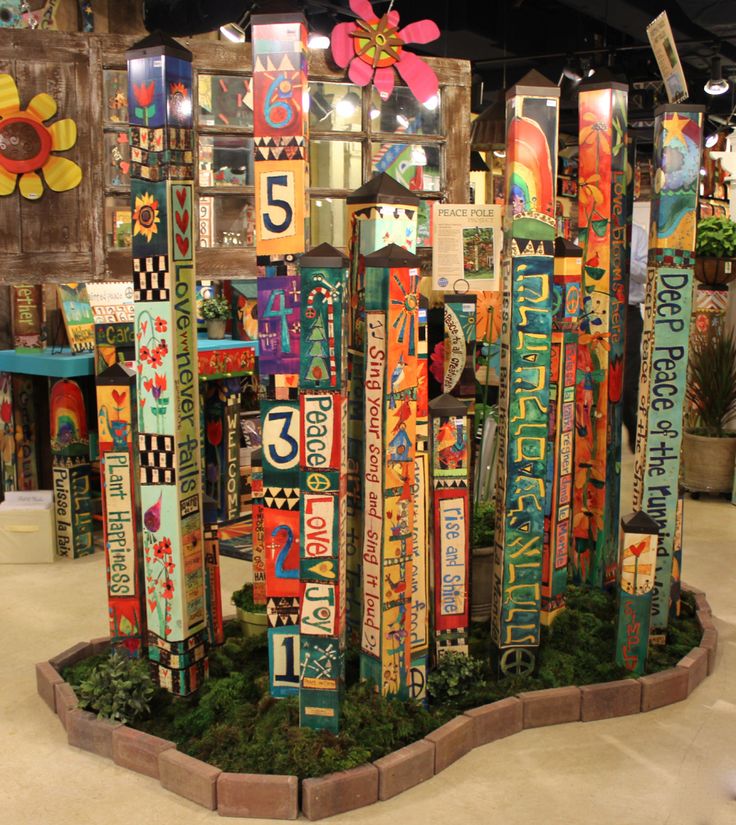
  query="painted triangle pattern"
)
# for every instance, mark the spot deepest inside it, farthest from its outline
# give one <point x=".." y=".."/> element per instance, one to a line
<point x="283" y="611"/>
<point x="281" y="498"/>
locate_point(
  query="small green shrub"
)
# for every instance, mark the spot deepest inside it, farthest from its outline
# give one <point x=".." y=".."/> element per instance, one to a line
<point x="243" y="599"/>
<point x="716" y="238"/>
<point x="118" y="688"/>
<point x="217" y="308"/>
<point x="484" y="524"/>
<point x="454" y="676"/>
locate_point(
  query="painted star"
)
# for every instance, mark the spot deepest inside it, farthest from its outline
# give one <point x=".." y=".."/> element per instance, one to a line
<point x="674" y="127"/>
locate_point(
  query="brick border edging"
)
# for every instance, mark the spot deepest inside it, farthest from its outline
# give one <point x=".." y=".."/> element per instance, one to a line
<point x="278" y="797"/>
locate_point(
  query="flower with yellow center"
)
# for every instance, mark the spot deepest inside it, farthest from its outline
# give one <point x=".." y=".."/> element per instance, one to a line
<point x="26" y="144"/>
<point x="145" y="216"/>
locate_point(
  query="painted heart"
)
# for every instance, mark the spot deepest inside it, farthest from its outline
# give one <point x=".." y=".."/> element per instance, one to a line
<point x="182" y="220"/>
<point x="638" y="549"/>
<point x="183" y="244"/>
<point x="181" y="196"/>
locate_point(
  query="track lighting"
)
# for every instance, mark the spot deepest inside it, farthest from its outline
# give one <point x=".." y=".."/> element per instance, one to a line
<point x="716" y="85"/>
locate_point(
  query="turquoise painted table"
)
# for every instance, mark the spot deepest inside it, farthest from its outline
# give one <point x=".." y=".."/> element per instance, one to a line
<point x="217" y="359"/>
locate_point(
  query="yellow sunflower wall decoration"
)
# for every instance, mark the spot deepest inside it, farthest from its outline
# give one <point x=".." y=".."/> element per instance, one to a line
<point x="145" y="216"/>
<point x="26" y="144"/>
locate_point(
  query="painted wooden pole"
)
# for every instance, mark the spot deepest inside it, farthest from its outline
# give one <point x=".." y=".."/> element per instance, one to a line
<point x="122" y="526"/>
<point x="280" y="128"/>
<point x="710" y="306"/>
<point x="71" y="469"/>
<point x="678" y="132"/>
<point x="221" y="445"/>
<point x="459" y="338"/>
<point x="452" y="518"/>
<point x="561" y="433"/>
<point x="170" y="494"/>
<point x="381" y="211"/>
<point x="26" y="432"/>
<point x="29" y="318"/>
<point x="602" y="221"/>
<point x="532" y="111"/>
<point x="7" y="433"/>
<point x="420" y="570"/>
<point x="636" y="582"/>
<point x="323" y="403"/>
<point x="390" y="404"/>
<point x="213" y="592"/>
<point x="259" y="543"/>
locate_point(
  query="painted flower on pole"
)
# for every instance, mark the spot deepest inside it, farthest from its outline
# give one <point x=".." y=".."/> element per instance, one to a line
<point x="371" y="47"/>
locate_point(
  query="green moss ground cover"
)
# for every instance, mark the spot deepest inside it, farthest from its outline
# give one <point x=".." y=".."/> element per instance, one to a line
<point x="234" y="723"/>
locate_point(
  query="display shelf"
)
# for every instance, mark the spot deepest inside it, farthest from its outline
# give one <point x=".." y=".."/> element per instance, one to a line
<point x="215" y="356"/>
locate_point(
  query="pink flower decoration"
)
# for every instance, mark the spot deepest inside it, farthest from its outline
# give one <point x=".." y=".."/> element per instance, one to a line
<point x="372" y="47"/>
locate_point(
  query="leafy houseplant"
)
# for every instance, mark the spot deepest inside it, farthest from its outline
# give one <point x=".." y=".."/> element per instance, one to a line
<point x="118" y="688"/>
<point x="481" y="558"/>
<point x="252" y="617"/>
<point x="715" y="248"/>
<point x="709" y="449"/>
<point x="215" y="312"/>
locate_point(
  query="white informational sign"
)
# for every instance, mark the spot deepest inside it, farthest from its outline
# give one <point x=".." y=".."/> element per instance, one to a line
<point x="111" y="301"/>
<point x="670" y="67"/>
<point x="466" y="254"/>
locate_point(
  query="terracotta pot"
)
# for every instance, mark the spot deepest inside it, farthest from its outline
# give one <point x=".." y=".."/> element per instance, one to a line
<point x="708" y="463"/>
<point x="216" y="328"/>
<point x="252" y="624"/>
<point x="715" y="271"/>
<point x="481" y="583"/>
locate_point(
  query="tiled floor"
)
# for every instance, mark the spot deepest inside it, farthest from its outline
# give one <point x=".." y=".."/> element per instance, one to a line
<point x="675" y="766"/>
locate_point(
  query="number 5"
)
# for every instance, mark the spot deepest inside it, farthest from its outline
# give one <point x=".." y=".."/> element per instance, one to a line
<point x="272" y="181"/>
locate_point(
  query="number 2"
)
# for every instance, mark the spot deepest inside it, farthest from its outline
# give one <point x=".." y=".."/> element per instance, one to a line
<point x="281" y="570"/>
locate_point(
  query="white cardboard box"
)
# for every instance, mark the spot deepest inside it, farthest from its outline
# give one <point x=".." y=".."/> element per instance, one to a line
<point x="27" y="529"/>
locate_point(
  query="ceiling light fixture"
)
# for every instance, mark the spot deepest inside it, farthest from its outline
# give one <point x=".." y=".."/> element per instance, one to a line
<point x="499" y="153"/>
<point x="711" y="140"/>
<point x="318" y="42"/>
<point x="233" y="32"/>
<point x="347" y="105"/>
<point x="402" y="120"/>
<point x="432" y="103"/>
<point x="717" y="85"/>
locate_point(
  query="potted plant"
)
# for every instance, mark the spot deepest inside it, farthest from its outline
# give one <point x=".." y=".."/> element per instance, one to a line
<point x="481" y="556"/>
<point x="252" y="617"/>
<point x="709" y="449"/>
<point x="215" y="312"/>
<point x="715" y="250"/>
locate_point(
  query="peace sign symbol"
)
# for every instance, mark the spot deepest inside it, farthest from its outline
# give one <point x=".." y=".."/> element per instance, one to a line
<point x="317" y="482"/>
<point x="417" y="683"/>
<point x="518" y="661"/>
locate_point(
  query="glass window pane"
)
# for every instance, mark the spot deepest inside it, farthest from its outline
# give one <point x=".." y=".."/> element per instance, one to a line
<point x="328" y="222"/>
<point x="117" y="159"/>
<point x="225" y="160"/>
<point x="225" y="100"/>
<point x="415" y="166"/>
<point x="118" y="225"/>
<point x="402" y="112"/>
<point x="115" y="109"/>
<point x="334" y="107"/>
<point x="335" y="164"/>
<point x="227" y="220"/>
